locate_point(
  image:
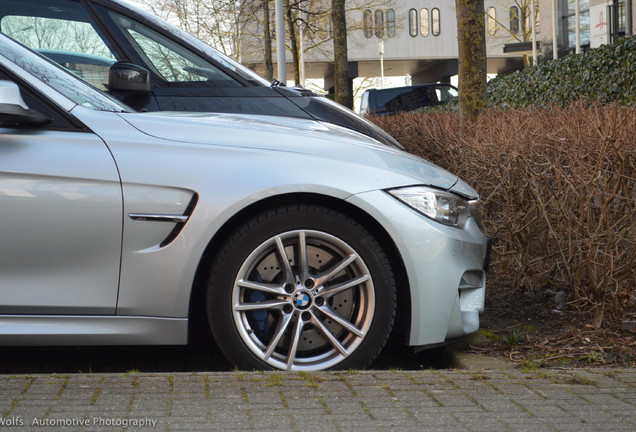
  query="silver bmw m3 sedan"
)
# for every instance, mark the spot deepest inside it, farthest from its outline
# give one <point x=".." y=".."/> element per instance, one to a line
<point x="305" y="244"/>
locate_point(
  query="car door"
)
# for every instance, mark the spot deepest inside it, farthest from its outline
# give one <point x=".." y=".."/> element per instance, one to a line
<point x="60" y="216"/>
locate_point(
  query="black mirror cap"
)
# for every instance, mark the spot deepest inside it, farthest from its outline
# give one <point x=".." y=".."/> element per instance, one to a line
<point x="128" y="77"/>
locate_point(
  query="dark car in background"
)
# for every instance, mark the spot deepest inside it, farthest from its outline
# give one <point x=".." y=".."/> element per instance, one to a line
<point x="152" y="66"/>
<point x="404" y="99"/>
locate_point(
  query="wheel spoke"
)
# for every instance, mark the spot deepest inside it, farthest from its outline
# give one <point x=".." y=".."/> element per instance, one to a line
<point x="335" y="289"/>
<point x="291" y="356"/>
<point x="278" y="334"/>
<point x="302" y="256"/>
<point x="284" y="260"/>
<point x="326" y="276"/>
<point x="325" y="331"/>
<point x="262" y="287"/>
<point x="264" y="305"/>
<point x="340" y="320"/>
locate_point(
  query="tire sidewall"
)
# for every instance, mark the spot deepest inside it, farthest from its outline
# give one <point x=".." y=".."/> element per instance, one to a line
<point x="267" y="225"/>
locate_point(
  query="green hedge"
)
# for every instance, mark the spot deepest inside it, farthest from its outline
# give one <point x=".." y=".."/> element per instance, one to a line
<point x="605" y="74"/>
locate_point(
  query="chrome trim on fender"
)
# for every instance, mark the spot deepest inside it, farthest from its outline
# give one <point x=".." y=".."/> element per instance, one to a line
<point x="158" y="218"/>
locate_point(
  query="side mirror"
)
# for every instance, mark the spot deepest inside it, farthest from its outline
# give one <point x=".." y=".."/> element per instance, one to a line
<point x="128" y="77"/>
<point x="13" y="111"/>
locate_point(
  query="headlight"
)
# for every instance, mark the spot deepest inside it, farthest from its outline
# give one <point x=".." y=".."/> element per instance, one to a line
<point x="443" y="207"/>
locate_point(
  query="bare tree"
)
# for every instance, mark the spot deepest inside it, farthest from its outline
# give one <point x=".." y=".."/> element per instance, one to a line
<point x="220" y="23"/>
<point x="315" y="16"/>
<point x="517" y="21"/>
<point x="242" y="28"/>
<point x="54" y="34"/>
<point x="310" y="16"/>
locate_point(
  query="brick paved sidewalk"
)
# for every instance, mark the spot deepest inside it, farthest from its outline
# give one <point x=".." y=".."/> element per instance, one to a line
<point x="448" y="400"/>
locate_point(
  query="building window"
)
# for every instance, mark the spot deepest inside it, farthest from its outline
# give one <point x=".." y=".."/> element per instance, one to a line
<point x="374" y="23"/>
<point x="435" y="28"/>
<point x="491" y="20"/>
<point x="514" y="20"/>
<point x="379" y="24"/>
<point x="584" y="17"/>
<point x="617" y="20"/>
<point x="368" y="23"/>
<point x="424" y="22"/>
<point x="390" y="23"/>
<point x="413" y="22"/>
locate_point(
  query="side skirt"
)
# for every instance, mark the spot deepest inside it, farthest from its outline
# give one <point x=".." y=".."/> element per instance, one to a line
<point x="61" y="330"/>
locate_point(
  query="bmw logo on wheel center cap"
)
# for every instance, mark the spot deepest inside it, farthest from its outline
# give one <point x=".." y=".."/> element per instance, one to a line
<point x="302" y="300"/>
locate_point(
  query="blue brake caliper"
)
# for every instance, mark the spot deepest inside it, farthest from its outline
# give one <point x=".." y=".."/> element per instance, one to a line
<point x="260" y="316"/>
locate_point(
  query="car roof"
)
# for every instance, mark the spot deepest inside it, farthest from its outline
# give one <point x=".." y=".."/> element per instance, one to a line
<point x="47" y="9"/>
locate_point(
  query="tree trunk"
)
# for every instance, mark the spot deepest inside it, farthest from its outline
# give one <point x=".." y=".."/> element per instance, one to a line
<point x="342" y="90"/>
<point x="293" y="40"/>
<point x="471" y="39"/>
<point x="267" y="35"/>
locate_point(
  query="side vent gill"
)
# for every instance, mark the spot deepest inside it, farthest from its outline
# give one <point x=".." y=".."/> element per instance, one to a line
<point x="178" y="220"/>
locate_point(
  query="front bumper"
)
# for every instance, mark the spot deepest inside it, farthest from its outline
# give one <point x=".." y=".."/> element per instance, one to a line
<point x="446" y="268"/>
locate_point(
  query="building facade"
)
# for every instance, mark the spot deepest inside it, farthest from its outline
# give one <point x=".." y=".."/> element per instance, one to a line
<point x="601" y="22"/>
<point x="418" y="38"/>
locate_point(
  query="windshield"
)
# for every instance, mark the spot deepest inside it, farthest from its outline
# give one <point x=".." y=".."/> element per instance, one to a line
<point x="58" y="78"/>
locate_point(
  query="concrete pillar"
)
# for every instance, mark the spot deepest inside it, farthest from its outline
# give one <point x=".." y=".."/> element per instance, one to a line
<point x="441" y="73"/>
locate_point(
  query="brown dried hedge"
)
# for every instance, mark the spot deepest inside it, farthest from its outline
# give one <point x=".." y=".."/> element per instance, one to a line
<point x="558" y="188"/>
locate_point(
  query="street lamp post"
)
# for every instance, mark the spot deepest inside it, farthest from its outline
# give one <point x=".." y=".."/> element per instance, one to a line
<point x="577" y="18"/>
<point x="301" y="31"/>
<point x="534" y="35"/>
<point x="280" y="42"/>
<point x="381" y="50"/>
<point x="555" y="45"/>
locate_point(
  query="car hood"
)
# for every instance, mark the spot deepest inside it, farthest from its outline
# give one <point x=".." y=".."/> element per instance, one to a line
<point x="291" y="135"/>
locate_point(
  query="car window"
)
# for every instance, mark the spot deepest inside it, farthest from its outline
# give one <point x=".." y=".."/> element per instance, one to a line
<point x="445" y="93"/>
<point x="404" y="98"/>
<point x="384" y="97"/>
<point x="58" y="78"/>
<point x="178" y="66"/>
<point x="364" y="103"/>
<point x="62" y="31"/>
<point x="246" y="76"/>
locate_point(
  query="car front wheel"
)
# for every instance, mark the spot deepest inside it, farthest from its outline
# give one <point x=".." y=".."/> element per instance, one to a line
<point x="301" y="288"/>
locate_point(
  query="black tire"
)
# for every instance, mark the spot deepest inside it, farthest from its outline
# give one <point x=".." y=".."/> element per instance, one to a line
<point x="334" y="312"/>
